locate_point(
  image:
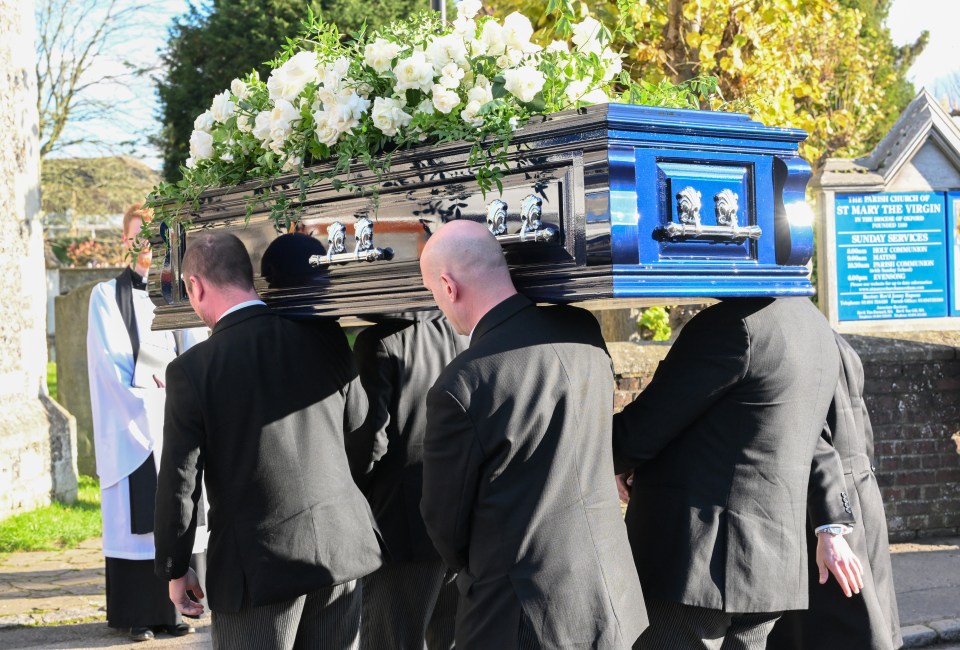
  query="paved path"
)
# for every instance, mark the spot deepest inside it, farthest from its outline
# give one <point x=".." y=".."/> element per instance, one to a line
<point x="54" y="600"/>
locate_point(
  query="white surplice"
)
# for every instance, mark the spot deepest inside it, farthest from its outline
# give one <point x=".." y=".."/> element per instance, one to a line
<point x="127" y="418"/>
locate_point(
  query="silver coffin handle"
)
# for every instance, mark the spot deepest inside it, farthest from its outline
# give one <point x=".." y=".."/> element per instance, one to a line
<point x="364" y="251"/>
<point x="690" y="226"/>
<point x="531" y="228"/>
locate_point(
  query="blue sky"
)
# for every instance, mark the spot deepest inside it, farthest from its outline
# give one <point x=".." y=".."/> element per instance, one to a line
<point x="137" y="106"/>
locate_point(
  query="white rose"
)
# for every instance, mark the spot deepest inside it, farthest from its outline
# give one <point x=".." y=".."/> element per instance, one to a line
<point x="261" y="126"/>
<point x="470" y="114"/>
<point x="201" y="145"/>
<point x="481" y="93"/>
<point x="283" y="118"/>
<point x="558" y="46"/>
<point x="491" y="38"/>
<point x="514" y="122"/>
<point x="239" y="89"/>
<point x="204" y="122"/>
<point x="287" y="81"/>
<point x="291" y="164"/>
<point x="414" y="72"/>
<point x="444" y="49"/>
<point x="509" y="59"/>
<point x="388" y="115"/>
<point x="333" y="75"/>
<point x="426" y="106"/>
<point x="380" y="54"/>
<point x="595" y="96"/>
<point x="445" y="100"/>
<point x="612" y="62"/>
<point x="191" y="163"/>
<point x="226" y="157"/>
<point x="325" y="131"/>
<point x="244" y="124"/>
<point x="586" y="36"/>
<point x="468" y="8"/>
<point x="517" y="32"/>
<point x="524" y="82"/>
<point x="451" y="75"/>
<point x="577" y="89"/>
<point x="222" y="107"/>
<point x="464" y="26"/>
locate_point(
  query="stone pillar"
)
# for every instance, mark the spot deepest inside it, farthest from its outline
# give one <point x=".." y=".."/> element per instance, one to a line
<point x="616" y="324"/>
<point x="37" y="437"/>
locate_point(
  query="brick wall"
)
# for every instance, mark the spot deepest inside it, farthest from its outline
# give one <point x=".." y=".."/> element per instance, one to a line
<point x="913" y="393"/>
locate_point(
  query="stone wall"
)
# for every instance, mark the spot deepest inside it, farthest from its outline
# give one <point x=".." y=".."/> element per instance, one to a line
<point x="37" y="437"/>
<point x="912" y="390"/>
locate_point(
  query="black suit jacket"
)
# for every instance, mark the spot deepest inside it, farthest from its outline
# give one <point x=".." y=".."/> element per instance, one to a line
<point x="722" y="441"/>
<point x="870" y="619"/>
<point x="260" y="411"/>
<point x="518" y="490"/>
<point x="399" y="359"/>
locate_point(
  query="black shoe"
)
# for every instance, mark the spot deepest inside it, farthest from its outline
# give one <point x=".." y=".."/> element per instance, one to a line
<point x="141" y="634"/>
<point x="180" y="629"/>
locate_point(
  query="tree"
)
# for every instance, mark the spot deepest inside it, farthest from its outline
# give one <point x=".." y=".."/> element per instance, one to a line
<point x="212" y="44"/>
<point x="826" y="66"/>
<point x="72" y="37"/>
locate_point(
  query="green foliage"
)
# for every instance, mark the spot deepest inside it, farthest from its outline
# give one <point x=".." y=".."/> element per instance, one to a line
<point x="654" y="324"/>
<point x="826" y="66"/>
<point x="52" y="379"/>
<point x="225" y="39"/>
<point x="59" y="525"/>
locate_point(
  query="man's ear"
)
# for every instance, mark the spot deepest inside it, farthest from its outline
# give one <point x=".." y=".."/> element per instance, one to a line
<point x="196" y="287"/>
<point x="450" y="287"/>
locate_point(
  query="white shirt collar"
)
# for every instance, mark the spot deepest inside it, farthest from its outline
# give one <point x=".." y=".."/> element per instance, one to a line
<point x="239" y="306"/>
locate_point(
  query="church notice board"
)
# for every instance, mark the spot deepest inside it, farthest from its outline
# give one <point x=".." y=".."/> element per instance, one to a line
<point x="892" y="255"/>
<point x="953" y="251"/>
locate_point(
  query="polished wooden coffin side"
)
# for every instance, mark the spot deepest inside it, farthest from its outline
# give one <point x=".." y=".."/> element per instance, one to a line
<point x="633" y="203"/>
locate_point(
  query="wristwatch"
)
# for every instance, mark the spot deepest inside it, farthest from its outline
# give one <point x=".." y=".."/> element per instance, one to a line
<point x="833" y="530"/>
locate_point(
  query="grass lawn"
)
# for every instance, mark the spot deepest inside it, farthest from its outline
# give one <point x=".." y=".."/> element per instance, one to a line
<point x="52" y="379"/>
<point x="56" y="526"/>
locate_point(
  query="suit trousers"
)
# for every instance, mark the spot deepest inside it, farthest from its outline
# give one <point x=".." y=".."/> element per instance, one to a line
<point x="674" y="626"/>
<point x="328" y="618"/>
<point x="408" y="603"/>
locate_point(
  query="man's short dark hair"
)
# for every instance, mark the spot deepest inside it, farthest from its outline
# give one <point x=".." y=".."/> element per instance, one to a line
<point x="219" y="258"/>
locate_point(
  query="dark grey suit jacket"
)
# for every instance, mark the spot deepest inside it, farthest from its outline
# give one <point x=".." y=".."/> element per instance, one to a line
<point x="399" y="358"/>
<point x="870" y="619"/>
<point x="518" y="488"/>
<point x="260" y="411"/>
<point x="722" y="441"/>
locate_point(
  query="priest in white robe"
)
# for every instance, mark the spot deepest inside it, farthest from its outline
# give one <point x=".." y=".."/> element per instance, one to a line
<point x="126" y="361"/>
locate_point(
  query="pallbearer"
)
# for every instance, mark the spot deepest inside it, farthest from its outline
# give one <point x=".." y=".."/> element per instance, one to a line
<point x="518" y="490"/>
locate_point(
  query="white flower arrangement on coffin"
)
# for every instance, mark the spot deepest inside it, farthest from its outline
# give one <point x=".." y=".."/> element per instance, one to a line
<point x="358" y="99"/>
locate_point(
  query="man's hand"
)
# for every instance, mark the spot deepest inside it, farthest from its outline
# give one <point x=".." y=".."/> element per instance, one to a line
<point x="181" y="599"/>
<point x="624" y="482"/>
<point x="835" y="554"/>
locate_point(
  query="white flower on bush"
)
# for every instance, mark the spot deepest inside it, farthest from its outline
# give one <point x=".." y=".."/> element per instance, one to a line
<point x="226" y="156"/>
<point x="244" y="124"/>
<point x="289" y="80"/>
<point x="481" y="91"/>
<point x="344" y="114"/>
<point x="204" y="122"/>
<point x="586" y="36"/>
<point x="239" y="89"/>
<point x="283" y="118"/>
<point x="517" y="31"/>
<point x="261" y="126"/>
<point x="325" y="131"/>
<point x="388" y="115"/>
<point x="444" y="99"/>
<point x="414" y="72"/>
<point x="491" y="39"/>
<point x="222" y="107"/>
<point x="470" y="114"/>
<point x="380" y="54"/>
<point x="524" y="82"/>
<point x="468" y="8"/>
<point x="558" y="46"/>
<point x="201" y="146"/>
<point x="444" y="49"/>
<point x="451" y="75"/>
<point x="291" y="164"/>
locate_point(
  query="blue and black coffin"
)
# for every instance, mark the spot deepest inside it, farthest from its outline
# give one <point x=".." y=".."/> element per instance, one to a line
<point x="614" y="203"/>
